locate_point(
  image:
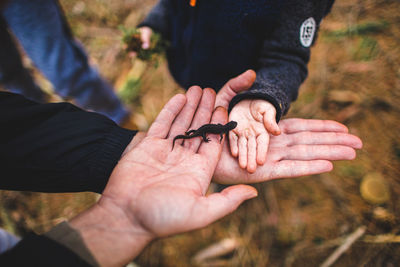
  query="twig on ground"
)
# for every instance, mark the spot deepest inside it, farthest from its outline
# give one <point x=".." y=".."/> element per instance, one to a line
<point x="349" y="241"/>
<point x="387" y="238"/>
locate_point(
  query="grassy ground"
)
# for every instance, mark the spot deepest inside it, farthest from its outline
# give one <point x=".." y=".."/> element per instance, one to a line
<point x="354" y="78"/>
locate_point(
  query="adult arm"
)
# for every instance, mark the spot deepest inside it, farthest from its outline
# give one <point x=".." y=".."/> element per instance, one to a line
<point x="283" y="60"/>
<point x="56" y="147"/>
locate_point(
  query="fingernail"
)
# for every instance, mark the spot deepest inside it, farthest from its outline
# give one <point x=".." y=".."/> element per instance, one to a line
<point x="220" y="107"/>
<point x="253" y="194"/>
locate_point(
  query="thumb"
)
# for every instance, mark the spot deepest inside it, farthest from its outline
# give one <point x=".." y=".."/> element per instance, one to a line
<point x="145" y="35"/>
<point x="270" y="123"/>
<point x="218" y="205"/>
<point x="241" y="82"/>
<point x="234" y="86"/>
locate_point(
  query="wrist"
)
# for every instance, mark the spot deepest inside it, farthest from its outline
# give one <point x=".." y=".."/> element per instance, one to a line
<point x="280" y="107"/>
<point x="113" y="238"/>
<point x="139" y="136"/>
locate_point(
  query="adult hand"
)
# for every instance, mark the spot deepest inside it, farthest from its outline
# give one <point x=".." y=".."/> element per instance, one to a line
<point x="155" y="191"/>
<point x="249" y="140"/>
<point x="304" y="147"/>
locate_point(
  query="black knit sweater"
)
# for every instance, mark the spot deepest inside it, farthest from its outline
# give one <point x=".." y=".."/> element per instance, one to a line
<point x="214" y="41"/>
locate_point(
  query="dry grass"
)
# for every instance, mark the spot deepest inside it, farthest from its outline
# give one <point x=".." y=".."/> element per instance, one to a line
<point x="291" y="223"/>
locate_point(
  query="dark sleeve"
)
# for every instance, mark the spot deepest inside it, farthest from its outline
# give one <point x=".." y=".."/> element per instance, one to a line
<point x="38" y="250"/>
<point x="56" y="147"/>
<point x="158" y="18"/>
<point x="282" y="65"/>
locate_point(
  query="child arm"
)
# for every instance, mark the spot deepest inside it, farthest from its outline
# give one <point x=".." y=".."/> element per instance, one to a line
<point x="283" y="67"/>
<point x="284" y="55"/>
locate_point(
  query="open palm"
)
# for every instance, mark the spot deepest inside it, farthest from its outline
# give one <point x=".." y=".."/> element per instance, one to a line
<point x="162" y="189"/>
<point x="305" y="147"/>
<point x="249" y="140"/>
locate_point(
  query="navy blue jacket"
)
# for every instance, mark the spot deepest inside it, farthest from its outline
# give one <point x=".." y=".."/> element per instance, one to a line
<point x="218" y="39"/>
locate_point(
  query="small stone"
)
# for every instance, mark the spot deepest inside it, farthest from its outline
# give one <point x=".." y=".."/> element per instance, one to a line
<point x="383" y="215"/>
<point x="374" y="189"/>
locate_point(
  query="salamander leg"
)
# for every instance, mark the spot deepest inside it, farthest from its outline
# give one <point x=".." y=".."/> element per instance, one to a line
<point x="222" y="136"/>
<point x="205" y="139"/>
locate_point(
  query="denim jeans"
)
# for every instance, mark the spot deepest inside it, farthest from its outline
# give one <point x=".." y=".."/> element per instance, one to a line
<point x="7" y="240"/>
<point x="42" y="31"/>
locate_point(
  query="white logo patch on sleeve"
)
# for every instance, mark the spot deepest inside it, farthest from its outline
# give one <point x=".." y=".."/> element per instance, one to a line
<point x="307" y="31"/>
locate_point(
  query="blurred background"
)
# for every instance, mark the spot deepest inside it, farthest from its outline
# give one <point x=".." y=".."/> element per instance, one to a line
<point x="354" y="78"/>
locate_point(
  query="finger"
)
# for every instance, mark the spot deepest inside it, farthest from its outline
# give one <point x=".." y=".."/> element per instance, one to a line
<point x="184" y="119"/>
<point x="298" y="125"/>
<point x="167" y="115"/>
<point x="316" y="152"/>
<point x="325" y="138"/>
<point x="297" y="168"/>
<point x="212" y="149"/>
<point x="242" y="143"/>
<point x="270" y="123"/>
<point x="233" y="143"/>
<point x="251" y="154"/>
<point x="145" y="34"/>
<point x="262" y="148"/>
<point x="218" y="205"/>
<point x="234" y="86"/>
<point x="202" y="116"/>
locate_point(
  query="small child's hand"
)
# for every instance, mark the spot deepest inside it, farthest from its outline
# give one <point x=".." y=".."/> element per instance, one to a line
<point x="145" y="39"/>
<point x="249" y="140"/>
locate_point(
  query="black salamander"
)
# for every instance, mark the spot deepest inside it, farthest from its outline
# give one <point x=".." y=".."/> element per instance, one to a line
<point x="207" y="129"/>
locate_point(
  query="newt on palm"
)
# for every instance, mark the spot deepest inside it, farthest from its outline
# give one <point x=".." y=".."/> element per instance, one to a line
<point x="207" y="129"/>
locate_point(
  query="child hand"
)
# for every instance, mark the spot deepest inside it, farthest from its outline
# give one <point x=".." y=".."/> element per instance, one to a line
<point x="249" y="140"/>
<point x="145" y="38"/>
